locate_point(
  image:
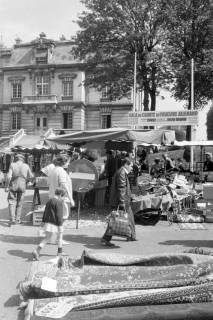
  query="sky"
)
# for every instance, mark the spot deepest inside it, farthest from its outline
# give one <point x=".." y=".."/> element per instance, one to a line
<point x="26" y="19"/>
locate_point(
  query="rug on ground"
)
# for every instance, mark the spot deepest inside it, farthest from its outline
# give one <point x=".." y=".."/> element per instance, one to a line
<point x="100" y="281"/>
<point x="192" y="226"/>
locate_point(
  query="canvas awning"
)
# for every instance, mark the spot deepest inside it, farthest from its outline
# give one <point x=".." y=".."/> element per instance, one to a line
<point x="117" y="134"/>
<point x="200" y="143"/>
<point x="4" y="142"/>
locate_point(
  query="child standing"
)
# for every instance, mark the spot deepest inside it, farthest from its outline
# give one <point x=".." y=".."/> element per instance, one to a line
<point x="52" y="222"/>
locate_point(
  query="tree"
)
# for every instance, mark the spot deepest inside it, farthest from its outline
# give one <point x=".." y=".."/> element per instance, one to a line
<point x="111" y="31"/>
<point x="189" y="37"/>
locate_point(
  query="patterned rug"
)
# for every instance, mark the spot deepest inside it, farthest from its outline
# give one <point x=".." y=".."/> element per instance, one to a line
<point x="98" y="281"/>
<point x="192" y="226"/>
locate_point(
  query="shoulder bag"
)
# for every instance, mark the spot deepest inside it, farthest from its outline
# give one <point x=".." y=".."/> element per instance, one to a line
<point x="118" y="224"/>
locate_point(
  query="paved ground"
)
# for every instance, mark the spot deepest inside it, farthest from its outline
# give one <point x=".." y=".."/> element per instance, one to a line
<point x="17" y="243"/>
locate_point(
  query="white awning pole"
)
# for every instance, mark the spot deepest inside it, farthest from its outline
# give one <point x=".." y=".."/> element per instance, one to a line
<point x="192" y="107"/>
<point x="135" y="79"/>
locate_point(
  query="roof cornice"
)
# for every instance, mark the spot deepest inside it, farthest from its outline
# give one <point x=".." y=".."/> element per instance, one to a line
<point x="79" y="65"/>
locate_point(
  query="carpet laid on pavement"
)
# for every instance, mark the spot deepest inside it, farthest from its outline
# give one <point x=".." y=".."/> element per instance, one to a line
<point x="180" y="285"/>
<point x="192" y="226"/>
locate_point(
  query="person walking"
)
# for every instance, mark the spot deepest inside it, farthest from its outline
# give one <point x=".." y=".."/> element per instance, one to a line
<point x="59" y="178"/>
<point x="16" y="180"/>
<point x="52" y="222"/>
<point x="120" y="198"/>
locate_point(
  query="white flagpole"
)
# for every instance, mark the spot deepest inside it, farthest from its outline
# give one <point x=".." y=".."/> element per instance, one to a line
<point x="192" y="107"/>
<point x="134" y="88"/>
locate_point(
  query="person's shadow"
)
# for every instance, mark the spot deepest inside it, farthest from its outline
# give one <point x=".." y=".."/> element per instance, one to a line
<point x="26" y="255"/>
<point x="88" y="241"/>
<point x="189" y="243"/>
<point x="14" y="301"/>
<point x="4" y="217"/>
<point x="19" y="239"/>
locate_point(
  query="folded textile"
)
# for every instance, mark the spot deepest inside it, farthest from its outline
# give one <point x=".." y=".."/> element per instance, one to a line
<point x="99" y="281"/>
<point x="185" y="311"/>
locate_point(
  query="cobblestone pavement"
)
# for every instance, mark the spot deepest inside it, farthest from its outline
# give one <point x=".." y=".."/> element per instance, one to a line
<point x="17" y="243"/>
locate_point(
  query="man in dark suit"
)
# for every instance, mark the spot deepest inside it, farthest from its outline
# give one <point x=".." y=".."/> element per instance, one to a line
<point x="120" y="198"/>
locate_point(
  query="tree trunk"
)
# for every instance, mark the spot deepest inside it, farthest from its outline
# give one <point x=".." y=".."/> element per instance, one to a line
<point x="146" y="99"/>
<point x="188" y="128"/>
<point x="153" y="100"/>
<point x="152" y="91"/>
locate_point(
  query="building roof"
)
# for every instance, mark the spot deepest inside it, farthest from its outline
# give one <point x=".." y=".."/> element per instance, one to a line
<point x="24" y="54"/>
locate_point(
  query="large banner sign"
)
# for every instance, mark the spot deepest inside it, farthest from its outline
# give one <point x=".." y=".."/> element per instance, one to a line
<point x="160" y="118"/>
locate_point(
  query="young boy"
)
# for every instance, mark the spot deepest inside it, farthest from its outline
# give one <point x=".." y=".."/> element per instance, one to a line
<point x="52" y="222"/>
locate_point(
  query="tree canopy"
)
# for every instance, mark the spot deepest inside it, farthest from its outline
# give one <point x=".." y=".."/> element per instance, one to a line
<point x="189" y="37"/>
<point x="165" y="35"/>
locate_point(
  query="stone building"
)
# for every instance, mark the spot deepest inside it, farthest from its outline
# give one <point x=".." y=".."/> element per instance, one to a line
<point x="42" y="87"/>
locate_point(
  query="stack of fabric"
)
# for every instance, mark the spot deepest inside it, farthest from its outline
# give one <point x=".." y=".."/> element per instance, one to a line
<point x="150" y="285"/>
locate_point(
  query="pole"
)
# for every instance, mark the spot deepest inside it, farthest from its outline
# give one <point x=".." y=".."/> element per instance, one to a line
<point x="135" y="79"/>
<point x="192" y="107"/>
<point x="79" y="209"/>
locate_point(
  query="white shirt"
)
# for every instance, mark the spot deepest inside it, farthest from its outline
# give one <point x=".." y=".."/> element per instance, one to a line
<point x="58" y="178"/>
<point x="47" y="170"/>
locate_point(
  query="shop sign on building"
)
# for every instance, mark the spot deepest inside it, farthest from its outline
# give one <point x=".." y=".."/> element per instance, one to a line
<point x="160" y="118"/>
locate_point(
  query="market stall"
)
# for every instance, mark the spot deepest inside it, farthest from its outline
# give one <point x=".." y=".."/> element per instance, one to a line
<point x="203" y="144"/>
<point x="116" y="138"/>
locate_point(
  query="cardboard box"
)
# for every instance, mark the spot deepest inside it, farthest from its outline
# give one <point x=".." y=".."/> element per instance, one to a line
<point x="208" y="191"/>
<point x="37" y="217"/>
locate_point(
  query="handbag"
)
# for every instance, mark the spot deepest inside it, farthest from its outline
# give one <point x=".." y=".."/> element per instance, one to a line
<point x="18" y="184"/>
<point x="118" y="224"/>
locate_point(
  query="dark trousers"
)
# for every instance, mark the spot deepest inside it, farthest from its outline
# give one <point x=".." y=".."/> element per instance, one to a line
<point x="15" y="201"/>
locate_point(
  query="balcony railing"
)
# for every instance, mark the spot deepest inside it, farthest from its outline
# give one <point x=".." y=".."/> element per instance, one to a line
<point x="51" y="98"/>
<point x="16" y="99"/>
<point x="67" y="98"/>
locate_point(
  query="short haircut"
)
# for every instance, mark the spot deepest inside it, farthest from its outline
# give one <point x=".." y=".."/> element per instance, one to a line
<point x="60" y="161"/>
<point x="60" y="192"/>
<point x="127" y="161"/>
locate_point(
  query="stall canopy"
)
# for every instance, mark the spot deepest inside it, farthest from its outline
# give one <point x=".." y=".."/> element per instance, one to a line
<point x="32" y="143"/>
<point x="117" y="134"/>
<point x="200" y="143"/>
<point x="4" y="143"/>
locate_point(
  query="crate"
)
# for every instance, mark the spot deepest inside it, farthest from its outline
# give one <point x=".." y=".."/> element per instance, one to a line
<point x="37" y="217"/>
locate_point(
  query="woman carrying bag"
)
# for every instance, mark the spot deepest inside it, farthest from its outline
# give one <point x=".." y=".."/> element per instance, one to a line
<point x="120" y="198"/>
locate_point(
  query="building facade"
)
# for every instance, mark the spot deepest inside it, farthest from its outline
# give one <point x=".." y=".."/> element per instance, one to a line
<point x="42" y="87"/>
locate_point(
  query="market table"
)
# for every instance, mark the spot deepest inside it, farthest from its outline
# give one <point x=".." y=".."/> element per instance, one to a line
<point x="152" y="202"/>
